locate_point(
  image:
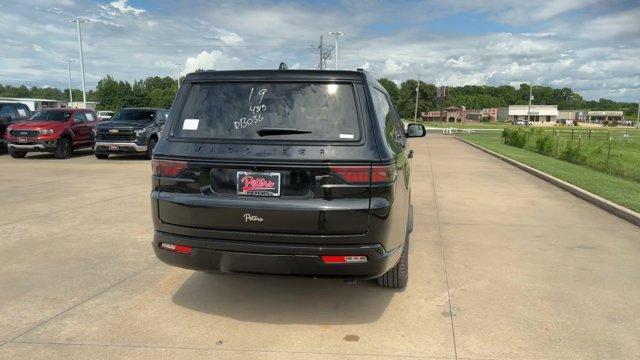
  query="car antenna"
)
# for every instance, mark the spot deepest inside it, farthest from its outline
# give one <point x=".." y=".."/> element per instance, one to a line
<point x="283" y="66"/>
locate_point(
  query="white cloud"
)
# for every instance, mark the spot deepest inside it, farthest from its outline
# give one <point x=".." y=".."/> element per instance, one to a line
<point x="207" y="61"/>
<point x="392" y="67"/>
<point x="123" y="7"/>
<point x="539" y="34"/>
<point x="618" y="25"/>
<point x="592" y="47"/>
<point x="228" y="37"/>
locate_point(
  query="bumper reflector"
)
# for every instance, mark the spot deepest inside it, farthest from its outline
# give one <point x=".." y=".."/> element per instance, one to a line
<point x="344" y="259"/>
<point x="182" y="249"/>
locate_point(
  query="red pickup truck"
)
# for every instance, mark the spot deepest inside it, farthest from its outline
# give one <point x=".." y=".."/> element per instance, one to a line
<point x="58" y="131"/>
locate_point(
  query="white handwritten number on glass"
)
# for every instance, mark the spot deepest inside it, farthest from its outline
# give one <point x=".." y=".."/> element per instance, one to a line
<point x="255" y="110"/>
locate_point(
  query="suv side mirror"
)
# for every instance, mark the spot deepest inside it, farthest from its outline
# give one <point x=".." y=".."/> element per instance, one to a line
<point x="416" y="130"/>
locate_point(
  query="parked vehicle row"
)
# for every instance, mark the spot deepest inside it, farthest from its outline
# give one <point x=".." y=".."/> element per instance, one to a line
<point x="11" y="112"/>
<point x="130" y="131"/>
<point x="61" y="131"/>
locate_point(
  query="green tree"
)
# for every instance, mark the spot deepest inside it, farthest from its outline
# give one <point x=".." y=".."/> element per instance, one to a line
<point x="391" y="88"/>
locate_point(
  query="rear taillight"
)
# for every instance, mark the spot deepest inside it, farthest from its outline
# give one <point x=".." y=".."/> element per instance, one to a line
<point x="182" y="249"/>
<point x="167" y="168"/>
<point x="376" y="174"/>
<point x="344" y="259"/>
<point x="381" y="174"/>
<point x="353" y="174"/>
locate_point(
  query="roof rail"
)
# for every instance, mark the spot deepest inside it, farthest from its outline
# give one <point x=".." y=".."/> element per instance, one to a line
<point x="283" y="66"/>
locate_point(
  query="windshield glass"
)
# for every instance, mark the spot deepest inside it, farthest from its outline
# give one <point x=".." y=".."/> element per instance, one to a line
<point x="134" y="115"/>
<point x="51" y="115"/>
<point x="270" y="111"/>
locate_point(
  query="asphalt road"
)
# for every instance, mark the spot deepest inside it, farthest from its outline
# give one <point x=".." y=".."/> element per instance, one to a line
<point x="502" y="266"/>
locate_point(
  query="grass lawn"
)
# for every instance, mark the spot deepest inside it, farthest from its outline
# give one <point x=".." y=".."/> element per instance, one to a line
<point x="621" y="191"/>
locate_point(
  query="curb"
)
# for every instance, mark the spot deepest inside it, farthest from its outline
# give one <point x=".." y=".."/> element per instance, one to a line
<point x="613" y="208"/>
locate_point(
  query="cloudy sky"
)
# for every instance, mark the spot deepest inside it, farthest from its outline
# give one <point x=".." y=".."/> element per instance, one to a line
<point x="592" y="46"/>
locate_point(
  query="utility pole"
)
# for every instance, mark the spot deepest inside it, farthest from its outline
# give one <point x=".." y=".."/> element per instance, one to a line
<point x="336" y="33"/>
<point x="68" y="61"/>
<point x="178" y="66"/>
<point x="78" y="21"/>
<point x="530" y="98"/>
<point x="415" y="113"/>
<point x="638" y="115"/>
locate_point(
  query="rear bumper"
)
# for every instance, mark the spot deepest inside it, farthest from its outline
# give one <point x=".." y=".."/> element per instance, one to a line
<point x="274" y="258"/>
<point x="123" y="147"/>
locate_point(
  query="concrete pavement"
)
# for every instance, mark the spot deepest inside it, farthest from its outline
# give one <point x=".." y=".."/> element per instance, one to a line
<point x="502" y="265"/>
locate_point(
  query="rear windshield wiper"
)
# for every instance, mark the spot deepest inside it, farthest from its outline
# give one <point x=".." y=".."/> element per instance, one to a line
<point x="281" y="131"/>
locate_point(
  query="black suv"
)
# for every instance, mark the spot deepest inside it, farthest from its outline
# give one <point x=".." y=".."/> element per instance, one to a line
<point x="130" y="131"/>
<point x="11" y="112"/>
<point x="284" y="172"/>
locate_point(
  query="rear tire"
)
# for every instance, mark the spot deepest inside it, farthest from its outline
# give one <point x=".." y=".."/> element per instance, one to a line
<point x="64" y="149"/>
<point x="102" y="156"/>
<point x="17" y="154"/>
<point x="397" y="276"/>
<point x="150" y="147"/>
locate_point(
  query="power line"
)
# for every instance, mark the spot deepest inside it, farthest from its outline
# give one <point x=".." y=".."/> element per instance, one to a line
<point x="178" y="46"/>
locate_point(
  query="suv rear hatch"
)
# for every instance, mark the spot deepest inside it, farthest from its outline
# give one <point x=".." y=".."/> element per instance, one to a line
<point x="250" y="166"/>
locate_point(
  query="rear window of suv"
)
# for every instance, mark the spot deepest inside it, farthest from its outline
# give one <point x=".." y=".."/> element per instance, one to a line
<point x="134" y="115"/>
<point x="269" y="111"/>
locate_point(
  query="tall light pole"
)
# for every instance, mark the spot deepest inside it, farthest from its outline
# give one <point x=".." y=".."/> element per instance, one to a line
<point x="178" y="66"/>
<point x="68" y="61"/>
<point x="336" y="33"/>
<point x="78" y="21"/>
<point x="415" y="114"/>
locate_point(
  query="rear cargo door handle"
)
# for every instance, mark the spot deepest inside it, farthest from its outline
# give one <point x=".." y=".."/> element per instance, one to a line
<point x="410" y="156"/>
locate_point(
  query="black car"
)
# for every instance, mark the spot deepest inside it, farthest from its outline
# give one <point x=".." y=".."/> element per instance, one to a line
<point x="284" y="172"/>
<point x="130" y="131"/>
<point x="11" y="112"/>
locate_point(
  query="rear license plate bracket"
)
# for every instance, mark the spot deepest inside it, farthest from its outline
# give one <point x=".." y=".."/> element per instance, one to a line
<point x="258" y="183"/>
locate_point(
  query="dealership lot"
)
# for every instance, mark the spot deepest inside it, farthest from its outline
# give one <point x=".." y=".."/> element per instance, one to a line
<point x="502" y="264"/>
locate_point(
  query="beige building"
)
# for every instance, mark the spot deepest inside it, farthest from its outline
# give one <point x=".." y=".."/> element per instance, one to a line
<point x="601" y="116"/>
<point x="537" y="113"/>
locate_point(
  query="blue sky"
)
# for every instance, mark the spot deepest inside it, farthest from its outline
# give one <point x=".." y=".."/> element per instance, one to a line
<point x="592" y="46"/>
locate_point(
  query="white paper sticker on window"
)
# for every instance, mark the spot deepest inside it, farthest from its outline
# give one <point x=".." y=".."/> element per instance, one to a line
<point x="22" y="112"/>
<point x="346" y="136"/>
<point x="190" y="124"/>
<point x="89" y="116"/>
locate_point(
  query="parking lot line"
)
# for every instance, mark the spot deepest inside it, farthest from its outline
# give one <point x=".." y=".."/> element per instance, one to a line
<point x="444" y="259"/>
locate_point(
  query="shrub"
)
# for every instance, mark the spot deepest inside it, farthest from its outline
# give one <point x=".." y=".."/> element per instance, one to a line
<point x="572" y="154"/>
<point x="514" y="137"/>
<point x="545" y="144"/>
